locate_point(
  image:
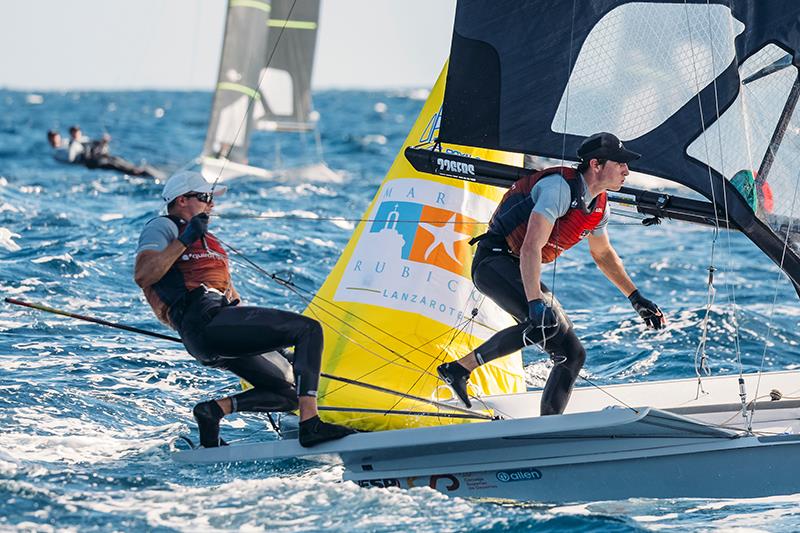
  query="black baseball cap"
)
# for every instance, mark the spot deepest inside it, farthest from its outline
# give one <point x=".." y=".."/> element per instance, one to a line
<point x="605" y="146"/>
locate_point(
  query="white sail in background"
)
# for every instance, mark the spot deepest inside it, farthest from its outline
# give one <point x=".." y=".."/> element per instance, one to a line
<point x="243" y="56"/>
<point x="285" y="103"/>
<point x="264" y="81"/>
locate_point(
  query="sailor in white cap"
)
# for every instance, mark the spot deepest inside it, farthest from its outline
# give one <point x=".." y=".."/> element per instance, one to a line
<point x="184" y="273"/>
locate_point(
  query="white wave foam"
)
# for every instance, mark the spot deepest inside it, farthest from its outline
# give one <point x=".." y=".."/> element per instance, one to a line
<point x="642" y="366"/>
<point x="55" y="437"/>
<point x="313" y="501"/>
<point x="319" y="242"/>
<point x="318" y="172"/>
<point x="47" y="258"/>
<point x="344" y="224"/>
<point x="536" y="373"/>
<point x="375" y="138"/>
<point x="7" y="240"/>
<point x="302" y="190"/>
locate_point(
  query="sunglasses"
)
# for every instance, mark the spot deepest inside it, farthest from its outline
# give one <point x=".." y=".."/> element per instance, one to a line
<point x="205" y="197"/>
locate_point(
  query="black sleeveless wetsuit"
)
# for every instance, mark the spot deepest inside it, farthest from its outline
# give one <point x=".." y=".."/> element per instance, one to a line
<point x="246" y="340"/>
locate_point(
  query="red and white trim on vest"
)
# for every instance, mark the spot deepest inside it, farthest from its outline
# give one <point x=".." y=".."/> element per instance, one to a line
<point x="568" y="229"/>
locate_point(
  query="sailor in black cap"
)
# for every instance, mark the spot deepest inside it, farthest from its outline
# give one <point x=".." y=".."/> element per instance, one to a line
<point x="540" y="217"/>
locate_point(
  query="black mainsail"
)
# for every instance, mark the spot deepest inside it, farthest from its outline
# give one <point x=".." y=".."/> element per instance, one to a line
<point x="537" y="77"/>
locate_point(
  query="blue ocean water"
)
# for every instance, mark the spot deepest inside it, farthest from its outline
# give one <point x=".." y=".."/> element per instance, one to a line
<point x="90" y="415"/>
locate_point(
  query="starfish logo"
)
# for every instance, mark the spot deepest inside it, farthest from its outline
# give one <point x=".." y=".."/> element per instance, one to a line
<point x="442" y="239"/>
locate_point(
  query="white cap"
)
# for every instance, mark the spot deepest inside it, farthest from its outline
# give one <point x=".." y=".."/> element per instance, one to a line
<point x="187" y="181"/>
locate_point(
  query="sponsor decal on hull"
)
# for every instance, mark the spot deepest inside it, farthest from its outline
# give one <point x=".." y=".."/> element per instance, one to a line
<point x="379" y="483"/>
<point x="526" y="474"/>
<point x="457" y="167"/>
<point x="441" y="482"/>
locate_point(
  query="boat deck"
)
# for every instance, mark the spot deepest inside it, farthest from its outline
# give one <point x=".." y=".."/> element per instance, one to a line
<point x="717" y="402"/>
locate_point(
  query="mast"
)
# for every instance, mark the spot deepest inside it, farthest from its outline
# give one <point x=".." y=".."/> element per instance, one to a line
<point x="783" y="122"/>
<point x="778" y="135"/>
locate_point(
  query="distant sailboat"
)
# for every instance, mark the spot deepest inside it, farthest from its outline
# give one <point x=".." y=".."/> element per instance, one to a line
<point x="264" y="83"/>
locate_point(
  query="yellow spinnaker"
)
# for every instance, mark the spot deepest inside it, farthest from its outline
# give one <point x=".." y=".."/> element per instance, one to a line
<point x="400" y="299"/>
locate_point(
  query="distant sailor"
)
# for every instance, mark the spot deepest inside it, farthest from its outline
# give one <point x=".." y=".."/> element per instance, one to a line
<point x="64" y="152"/>
<point x="80" y="149"/>
<point x="541" y="216"/>
<point x="90" y="150"/>
<point x="184" y="273"/>
<point x="77" y="136"/>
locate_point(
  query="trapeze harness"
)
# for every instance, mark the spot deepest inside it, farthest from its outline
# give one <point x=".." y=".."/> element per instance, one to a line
<point x="193" y="297"/>
<point x="496" y="273"/>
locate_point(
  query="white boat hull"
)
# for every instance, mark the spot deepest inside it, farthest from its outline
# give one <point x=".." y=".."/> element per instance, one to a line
<point x="744" y="468"/>
<point x="218" y="170"/>
<point x="221" y="170"/>
<point x="585" y="455"/>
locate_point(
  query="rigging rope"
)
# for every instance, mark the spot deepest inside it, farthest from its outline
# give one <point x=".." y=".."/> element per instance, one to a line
<point x="115" y="325"/>
<point x="563" y="156"/>
<point x="748" y="417"/>
<point x="308" y="299"/>
<point x="701" y="359"/>
<point x="731" y="285"/>
<point x="774" y="300"/>
<point x="345" y="219"/>
<point x="604" y="391"/>
<point x="388" y="361"/>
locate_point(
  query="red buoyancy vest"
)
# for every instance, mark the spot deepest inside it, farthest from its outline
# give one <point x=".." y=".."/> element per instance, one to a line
<point x="200" y="264"/>
<point x="511" y="217"/>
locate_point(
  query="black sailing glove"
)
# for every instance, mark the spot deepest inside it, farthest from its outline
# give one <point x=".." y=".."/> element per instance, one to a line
<point x="542" y="323"/>
<point x="196" y="229"/>
<point x="541" y="315"/>
<point x="650" y="312"/>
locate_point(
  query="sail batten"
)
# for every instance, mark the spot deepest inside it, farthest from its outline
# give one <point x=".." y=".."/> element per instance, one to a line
<point x="255" y="4"/>
<point x="293" y="24"/>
